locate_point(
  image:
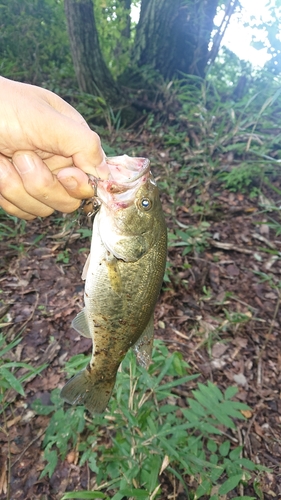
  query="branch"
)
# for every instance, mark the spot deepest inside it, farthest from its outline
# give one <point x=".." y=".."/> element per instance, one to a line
<point x="229" y="11"/>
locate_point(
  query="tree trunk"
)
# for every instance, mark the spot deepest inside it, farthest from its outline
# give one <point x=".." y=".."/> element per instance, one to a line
<point x="173" y="36"/>
<point x="127" y="13"/>
<point x="91" y="71"/>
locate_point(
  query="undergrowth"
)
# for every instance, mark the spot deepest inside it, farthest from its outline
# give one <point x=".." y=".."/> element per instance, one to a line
<point x="213" y="136"/>
<point x="13" y="373"/>
<point x="146" y="436"/>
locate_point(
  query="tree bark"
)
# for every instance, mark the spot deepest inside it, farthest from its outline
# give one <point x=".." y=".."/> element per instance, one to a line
<point x="127" y="13"/>
<point x="173" y="36"/>
<point x="91" y="71"/>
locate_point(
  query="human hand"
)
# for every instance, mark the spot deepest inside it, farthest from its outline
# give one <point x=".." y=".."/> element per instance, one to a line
<point x="46" y="151"/>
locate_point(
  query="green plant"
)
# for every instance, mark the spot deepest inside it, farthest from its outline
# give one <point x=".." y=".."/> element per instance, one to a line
<point x="63" y="256"/>
<point x="25" y="56"/>
<point x="241" y="178"/>
<point x="191" y="238"/>
<point x="12" y="227"/>
<point x="13" y="373"/>
<point x="145" y="433"/>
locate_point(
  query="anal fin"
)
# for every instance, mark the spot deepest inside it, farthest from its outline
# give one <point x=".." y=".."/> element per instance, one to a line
<point x="143" y="346"/>
<point x="80" y="324"/>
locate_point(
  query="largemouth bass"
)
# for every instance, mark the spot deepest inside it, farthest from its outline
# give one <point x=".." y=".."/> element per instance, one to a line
<point x="124" y="274"/>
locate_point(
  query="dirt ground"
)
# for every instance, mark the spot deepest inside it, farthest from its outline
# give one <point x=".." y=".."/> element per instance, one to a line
<point x="40" y="295"/>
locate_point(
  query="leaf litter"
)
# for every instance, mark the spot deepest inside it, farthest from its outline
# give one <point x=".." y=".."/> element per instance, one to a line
<point x="220" y="309"/>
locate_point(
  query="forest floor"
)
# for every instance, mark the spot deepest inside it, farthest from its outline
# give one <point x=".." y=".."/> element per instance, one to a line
<point x="221" y="310"/>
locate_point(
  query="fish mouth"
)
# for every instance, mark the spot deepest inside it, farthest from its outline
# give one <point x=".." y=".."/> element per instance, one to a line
<point x="127" y="174"/>
<point x="123" y="168"/>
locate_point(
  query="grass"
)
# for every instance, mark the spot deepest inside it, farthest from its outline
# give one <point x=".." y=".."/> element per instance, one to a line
<point x="145" y="437"/>
<point x="10" y="379"/>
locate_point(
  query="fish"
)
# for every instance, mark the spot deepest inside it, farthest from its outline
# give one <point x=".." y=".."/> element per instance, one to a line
<point x="124" y="274"/>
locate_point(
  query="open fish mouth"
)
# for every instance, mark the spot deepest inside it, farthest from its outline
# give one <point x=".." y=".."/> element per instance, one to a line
<point x="127" y="174"/>
<point x="126" y="170"/>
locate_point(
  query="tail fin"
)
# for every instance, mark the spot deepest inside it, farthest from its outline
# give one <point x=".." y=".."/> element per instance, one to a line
<point x="83" y="388"/>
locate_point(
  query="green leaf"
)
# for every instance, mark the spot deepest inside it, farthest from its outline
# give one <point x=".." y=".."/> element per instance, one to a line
<point x="178" y="364"/>
<point x="12" y="380"/>
<point x="215" y="474"/>
<point x="154" y="465"/>
<point x="117" y="496"/>
<point x="224" y="448"/>
<point x="196" y="407"/>
<point x="244" y="497"/>
<point x="203" y="488"/>
<point x="41" y="409"/>
<point x="142" y="494"/>
<point x="10" y="346"/>
<point x="191" y="417"/>
<point x="215" y="391"/>
<point x="230" y="392"/>
<point x="214" y="459"/>
<point x="247" y="463"/>
<point x="164" y="370"/>
<point x="84" y="495"/>
<point x="212" y="445"/>
<point x="179" y="381"/>
<point x="230" y="484"/>
<point x="209" y="429"/>
<point x="16" y="364"/>
<point x="52" y="457"/>
<point x="235" y="454"/>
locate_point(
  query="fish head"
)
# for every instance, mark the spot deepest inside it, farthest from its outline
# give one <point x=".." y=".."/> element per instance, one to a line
<point x="130" y="221"/>
<point x="137" y="214"/>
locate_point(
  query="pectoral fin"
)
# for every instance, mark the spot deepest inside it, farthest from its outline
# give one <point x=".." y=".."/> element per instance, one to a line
<point x="80" y="324"/>
<point x="143" y="346"/>
<point x="85" y="268"/>
<point x="130" y="249"/>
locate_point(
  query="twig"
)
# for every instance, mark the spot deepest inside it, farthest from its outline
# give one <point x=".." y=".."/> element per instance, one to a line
<point x="243" y="303"/>
<point x="28" y="446"/>
<point x="177" y="332"/>
<point x="259" y="237"/>
<point x="259" y="369"/>
<point x="246" y="439"/>
<point x="229" y="246"/>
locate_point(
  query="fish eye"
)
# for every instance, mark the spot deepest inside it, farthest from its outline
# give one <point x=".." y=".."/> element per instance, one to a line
<point x="146" y="203"/>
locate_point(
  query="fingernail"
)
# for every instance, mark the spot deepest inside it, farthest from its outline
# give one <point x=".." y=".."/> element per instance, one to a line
<point x="68" y="182"/>
<point x="24" y="164"/>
